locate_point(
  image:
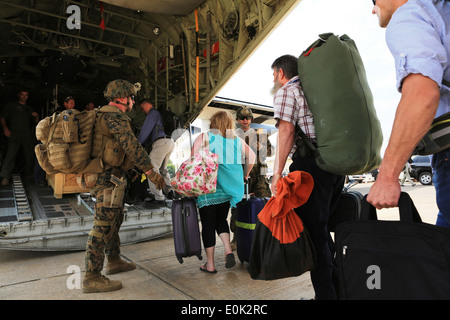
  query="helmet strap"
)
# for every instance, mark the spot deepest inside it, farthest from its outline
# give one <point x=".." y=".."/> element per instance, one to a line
<point x="124" y="104"/>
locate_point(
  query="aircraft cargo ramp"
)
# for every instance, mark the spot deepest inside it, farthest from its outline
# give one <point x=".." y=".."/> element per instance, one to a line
<point x="33" y="219"/>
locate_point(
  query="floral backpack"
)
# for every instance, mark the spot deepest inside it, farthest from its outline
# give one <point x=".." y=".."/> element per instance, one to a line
<point x="198" y="174"/>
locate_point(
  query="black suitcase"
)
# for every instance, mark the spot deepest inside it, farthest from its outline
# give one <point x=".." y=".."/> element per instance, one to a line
<point x="347" y="209"/>
<point x="186" y="231"/>
<point x="405" y="259"/>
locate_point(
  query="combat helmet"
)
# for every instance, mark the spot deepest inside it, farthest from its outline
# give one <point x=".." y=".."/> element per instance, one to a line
<point x="244" y="112"/>
<point x="120" y="89"/>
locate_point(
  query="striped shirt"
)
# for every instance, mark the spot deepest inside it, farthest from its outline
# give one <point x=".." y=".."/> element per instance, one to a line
<point x="289" y="104"/>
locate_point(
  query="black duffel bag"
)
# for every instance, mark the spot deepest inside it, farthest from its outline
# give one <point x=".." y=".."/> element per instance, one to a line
<point x="282" y="246"/>
<point x="405" y="259"/>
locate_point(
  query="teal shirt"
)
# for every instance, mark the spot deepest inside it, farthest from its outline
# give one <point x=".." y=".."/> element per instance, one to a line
<point x="230" y="176"/>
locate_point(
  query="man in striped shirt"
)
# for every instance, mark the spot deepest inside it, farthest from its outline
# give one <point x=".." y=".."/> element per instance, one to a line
<point x="291" y="110"/>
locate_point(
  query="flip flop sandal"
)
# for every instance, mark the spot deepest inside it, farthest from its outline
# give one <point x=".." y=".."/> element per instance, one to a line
<point x="230" y="261"/>
<point x="203" y="268"/>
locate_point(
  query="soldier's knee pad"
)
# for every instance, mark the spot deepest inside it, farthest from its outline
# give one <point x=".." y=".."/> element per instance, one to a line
<point x="106" y="229"/>
<point x="101" y="229"/>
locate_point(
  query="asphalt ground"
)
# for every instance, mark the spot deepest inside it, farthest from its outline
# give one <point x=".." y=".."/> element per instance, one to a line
<point x="26" y="275"/>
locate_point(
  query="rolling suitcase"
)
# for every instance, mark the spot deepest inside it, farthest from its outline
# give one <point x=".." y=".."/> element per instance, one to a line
<point x="246" y="217"/>
<point x="186" y="232"/>
<point x="347" y="209"/>
<point x="405" y="259"/>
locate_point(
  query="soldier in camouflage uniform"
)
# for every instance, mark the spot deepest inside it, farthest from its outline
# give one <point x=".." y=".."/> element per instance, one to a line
<point x="260" y="144"/>
<point x="116" y="145"/>
<point x="262" y="147"/>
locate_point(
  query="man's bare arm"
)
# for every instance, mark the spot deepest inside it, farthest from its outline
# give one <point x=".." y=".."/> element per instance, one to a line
<point x="285" y="141"/>
<point x="415" y="113"/>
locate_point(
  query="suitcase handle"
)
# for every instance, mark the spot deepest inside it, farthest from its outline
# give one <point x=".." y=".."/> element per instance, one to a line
<point x="407" y="209"/>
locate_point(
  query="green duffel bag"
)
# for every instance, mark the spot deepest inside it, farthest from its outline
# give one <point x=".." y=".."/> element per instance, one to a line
<point x="334" y="81"/>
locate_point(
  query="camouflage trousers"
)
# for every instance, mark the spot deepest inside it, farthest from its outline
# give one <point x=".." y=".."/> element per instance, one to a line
<point x="104" y="238"/>
<point x="258" y="183"/>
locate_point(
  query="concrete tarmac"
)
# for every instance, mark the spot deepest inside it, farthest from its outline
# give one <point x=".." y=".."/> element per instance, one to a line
<point x="28" y="275"/>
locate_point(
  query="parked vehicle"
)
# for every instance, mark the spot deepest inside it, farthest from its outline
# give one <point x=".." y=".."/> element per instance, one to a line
<point x="366" y="177"/>
<point x="421" y="169"/>
<point x="374" y="174"/>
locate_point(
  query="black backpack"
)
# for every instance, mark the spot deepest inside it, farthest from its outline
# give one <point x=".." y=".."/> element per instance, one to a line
<point x="171" y="122"/>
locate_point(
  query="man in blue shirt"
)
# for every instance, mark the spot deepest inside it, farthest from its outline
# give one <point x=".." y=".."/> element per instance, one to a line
<point x="418" y="36"/>
<point x="152" y="135"/>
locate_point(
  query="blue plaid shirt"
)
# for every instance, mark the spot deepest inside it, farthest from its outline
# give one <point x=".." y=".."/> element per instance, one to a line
<point x="418" y="37"/>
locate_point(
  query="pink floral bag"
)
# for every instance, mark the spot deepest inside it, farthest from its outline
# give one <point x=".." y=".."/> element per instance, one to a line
<point x="198" y="174"/>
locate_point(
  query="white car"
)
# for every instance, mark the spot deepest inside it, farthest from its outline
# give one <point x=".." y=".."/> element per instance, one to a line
<point x="366" y="177"/>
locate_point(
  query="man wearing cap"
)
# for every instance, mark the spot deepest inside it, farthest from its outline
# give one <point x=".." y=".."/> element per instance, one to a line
<point x="119" y="150"/>
<point x="418" y="36"/>
<point x="262" y="147"/>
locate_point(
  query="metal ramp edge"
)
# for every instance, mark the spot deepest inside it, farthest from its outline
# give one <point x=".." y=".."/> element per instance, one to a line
<point x="21" y="200"/>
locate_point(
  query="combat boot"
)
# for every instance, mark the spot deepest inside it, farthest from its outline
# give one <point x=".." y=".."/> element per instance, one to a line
<point x="116" y="264"/>
<point x="96" y="282"/>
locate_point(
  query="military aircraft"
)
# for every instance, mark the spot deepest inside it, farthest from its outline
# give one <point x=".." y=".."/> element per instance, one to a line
<point x="182" y="52"/>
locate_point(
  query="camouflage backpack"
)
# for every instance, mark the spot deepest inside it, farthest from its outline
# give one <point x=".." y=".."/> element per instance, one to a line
<point x="66" y="141"/>
<point x="67" y="137"/>
<point x="67" y="144"/>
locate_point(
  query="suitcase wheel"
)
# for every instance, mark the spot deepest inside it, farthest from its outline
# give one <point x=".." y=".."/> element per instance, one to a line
<point x="180" y="260"/>
<point x="199" y="256"/>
